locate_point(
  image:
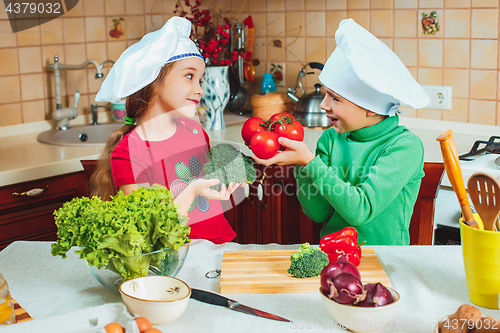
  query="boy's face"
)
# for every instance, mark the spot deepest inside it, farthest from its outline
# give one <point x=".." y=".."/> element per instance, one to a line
<point x="181" y="90"/>
<point x="344" y="115"/>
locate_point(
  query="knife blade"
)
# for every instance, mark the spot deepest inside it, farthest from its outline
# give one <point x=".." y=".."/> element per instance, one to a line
<point x="217" y="299"/>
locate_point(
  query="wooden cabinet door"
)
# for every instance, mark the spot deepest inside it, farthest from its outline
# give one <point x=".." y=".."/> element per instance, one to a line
<point x="246" y="210"/>
<point x="269" y="194"/>
<point x="235" y="211"/>
<point x="253" y="224"/>
<point x="290" y="216"/>
<point x="24" y="217"/>
<point x="284" y="219"/>
<point x="241" y="211"/>
<point x="271" y="213"/>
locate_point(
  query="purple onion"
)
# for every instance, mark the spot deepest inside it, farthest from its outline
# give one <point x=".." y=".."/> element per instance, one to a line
<point x="376" y="295"/>
<point x="333" y="269"/>
<point x="346" y="288"/>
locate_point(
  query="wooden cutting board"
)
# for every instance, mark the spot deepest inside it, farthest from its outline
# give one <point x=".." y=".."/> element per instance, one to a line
<point x="260" y="272"/>
<point x="21" y="314"/>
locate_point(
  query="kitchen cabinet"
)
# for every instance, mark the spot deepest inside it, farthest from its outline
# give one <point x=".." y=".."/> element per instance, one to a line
<point x="26" y="209"/>
<point x="269" y="211"/>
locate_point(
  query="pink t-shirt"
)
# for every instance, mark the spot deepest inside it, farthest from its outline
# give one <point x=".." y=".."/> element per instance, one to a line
<point x="173" y="163"/>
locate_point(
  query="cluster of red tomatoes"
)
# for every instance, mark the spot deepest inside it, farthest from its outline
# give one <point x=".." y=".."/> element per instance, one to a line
<point x="262" y="136"/>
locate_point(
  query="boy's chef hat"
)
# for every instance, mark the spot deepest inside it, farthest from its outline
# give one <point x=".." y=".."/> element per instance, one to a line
<point x="140" y="64"/>
<point x="366" y="72"/>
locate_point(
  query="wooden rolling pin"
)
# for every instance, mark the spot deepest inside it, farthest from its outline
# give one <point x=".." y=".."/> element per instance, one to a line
<point x="452" y="166"/>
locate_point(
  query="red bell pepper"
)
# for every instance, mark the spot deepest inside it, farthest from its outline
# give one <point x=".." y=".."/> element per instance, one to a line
<point x="342" y="243"/>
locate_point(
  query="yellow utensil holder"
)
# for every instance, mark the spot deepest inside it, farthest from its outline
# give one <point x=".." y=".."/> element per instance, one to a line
<point x="481" y="253"/>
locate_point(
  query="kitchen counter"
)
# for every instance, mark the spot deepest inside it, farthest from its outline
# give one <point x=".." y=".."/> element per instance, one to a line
<point x="430" y="280"/>
<point x="23" y="158"/>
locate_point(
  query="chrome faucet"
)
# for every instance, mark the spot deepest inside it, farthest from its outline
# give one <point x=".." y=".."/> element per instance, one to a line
<point x="62" y="116"/>
<point x="105" y="62"/>
<point x="94" y="109"/>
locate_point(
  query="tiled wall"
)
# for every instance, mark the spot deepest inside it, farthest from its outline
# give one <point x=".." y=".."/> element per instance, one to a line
<point x="464" y="54"/>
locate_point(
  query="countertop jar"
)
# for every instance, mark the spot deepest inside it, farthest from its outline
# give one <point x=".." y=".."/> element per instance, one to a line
<point x="7" y="314"/>
<point x="268" y="84"/>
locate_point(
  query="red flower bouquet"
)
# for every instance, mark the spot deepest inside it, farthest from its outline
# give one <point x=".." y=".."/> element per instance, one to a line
<point x="213" y="40"/>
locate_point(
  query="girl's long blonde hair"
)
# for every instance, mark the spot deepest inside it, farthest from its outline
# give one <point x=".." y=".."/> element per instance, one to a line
<point x="101" y="182"/>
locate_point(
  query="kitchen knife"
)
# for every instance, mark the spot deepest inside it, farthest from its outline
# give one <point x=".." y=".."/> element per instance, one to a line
<point x="217" y="299"/>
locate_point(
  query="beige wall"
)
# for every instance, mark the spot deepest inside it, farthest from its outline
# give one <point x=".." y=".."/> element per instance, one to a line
<point x="464" y="54"/>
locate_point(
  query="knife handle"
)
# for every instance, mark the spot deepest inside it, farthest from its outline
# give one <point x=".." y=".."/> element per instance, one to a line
<point x="209" y="297"/>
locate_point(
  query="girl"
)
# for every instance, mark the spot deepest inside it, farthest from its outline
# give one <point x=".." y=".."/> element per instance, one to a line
<point x="367" y="169"/>
<point x="159" y="143"/>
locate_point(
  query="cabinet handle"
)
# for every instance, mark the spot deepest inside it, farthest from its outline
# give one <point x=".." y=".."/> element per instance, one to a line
<point x="31" y="193"/>
<point x="264" y="175"/>
<point x="260" y="192"/>
<point x="260" y="195"/>
<point x="247" y="191"/>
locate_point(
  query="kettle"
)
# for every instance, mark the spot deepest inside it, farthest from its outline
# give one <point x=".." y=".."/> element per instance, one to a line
<point x="308" y="112"/>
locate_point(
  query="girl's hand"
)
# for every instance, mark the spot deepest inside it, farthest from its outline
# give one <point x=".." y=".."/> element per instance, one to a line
<point x="297" y="152"/>
<point x="202" y="187"/>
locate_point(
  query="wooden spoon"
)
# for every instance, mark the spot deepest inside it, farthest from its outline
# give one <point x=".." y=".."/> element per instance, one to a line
<point x="484" y="192"/>
<point x="452" y="166"/>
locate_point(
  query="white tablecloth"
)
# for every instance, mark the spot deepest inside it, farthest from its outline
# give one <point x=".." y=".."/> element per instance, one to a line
<point x="430" y="280"/>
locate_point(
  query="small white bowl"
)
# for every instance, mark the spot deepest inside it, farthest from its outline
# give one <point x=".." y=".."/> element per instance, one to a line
<point x="161" y="299"/>
<point x="361" y="319"/>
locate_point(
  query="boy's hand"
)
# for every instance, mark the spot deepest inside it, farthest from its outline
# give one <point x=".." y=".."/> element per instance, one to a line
<point x="297" y="152"/>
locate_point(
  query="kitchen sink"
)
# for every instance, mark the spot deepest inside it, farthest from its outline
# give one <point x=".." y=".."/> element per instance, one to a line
<point x="79" y="135"/>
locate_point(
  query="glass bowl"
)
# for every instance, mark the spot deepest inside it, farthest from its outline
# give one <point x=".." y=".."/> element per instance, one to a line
<point x="165" y="262"/>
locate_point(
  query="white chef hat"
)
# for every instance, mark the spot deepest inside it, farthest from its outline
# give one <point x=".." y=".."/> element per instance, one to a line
<point x="363" y="70"/>
<point x="140" y="64"/>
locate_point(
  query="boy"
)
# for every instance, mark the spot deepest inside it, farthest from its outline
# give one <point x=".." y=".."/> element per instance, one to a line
<point x="367" y="169"/>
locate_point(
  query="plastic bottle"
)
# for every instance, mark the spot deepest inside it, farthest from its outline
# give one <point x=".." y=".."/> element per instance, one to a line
<point x="268" y="84"/>
<point x="7" y="314"/>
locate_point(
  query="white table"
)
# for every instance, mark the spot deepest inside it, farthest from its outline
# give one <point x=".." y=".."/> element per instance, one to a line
<point x="430" y="280"/>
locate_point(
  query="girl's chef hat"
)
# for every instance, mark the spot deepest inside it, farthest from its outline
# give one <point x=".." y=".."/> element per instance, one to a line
<point x="140" y="64"/>
<point x="366" y="72"/>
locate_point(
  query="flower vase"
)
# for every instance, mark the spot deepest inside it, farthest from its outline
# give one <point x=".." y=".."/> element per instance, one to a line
<point x="215" y="85"/>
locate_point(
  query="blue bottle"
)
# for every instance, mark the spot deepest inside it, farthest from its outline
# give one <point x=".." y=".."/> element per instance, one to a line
<point x="268" y="84"/>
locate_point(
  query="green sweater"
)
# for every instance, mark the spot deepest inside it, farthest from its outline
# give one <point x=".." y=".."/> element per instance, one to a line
<point x="368" y="179"/>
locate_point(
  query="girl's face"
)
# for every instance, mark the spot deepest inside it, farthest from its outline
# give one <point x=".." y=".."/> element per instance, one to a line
<point x="180" y="91"/>
<point x="346" y="116"/>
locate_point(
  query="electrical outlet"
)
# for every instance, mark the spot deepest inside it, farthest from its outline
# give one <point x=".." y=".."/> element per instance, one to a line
<point x="440" y="97"/>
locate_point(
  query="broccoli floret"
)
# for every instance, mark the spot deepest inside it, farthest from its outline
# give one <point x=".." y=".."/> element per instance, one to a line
<point x="216" y="174"/>
<point x="229" y="165"/>
<point x="250" y="170"/>
<point x="223" y="154"/>
<point x="308" y="261"/>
